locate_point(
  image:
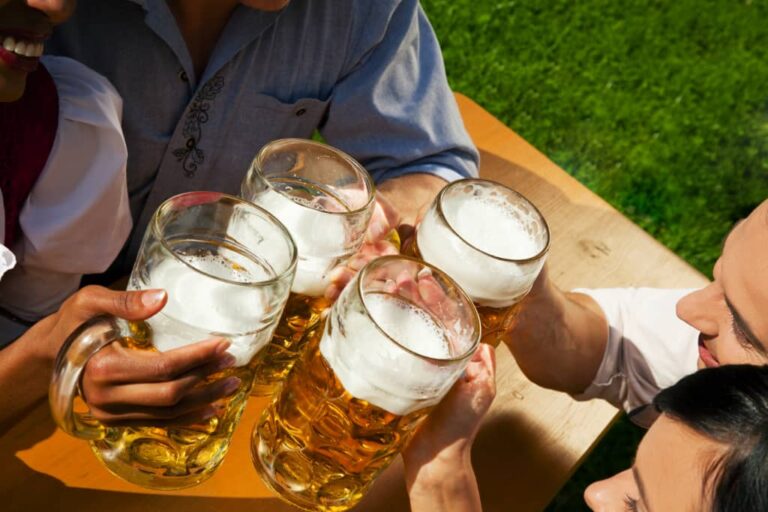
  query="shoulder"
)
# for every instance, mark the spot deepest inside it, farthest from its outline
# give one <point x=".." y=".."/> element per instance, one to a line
<point x="84" y="95"/>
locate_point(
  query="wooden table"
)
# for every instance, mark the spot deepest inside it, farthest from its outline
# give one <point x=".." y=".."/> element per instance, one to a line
<point x="531" y="442"/>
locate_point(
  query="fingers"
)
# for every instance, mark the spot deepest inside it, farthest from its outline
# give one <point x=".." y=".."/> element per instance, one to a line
<point x="97" y="300"/>
<point x="482" y="366"/>
<point x="116" y="364"/>
<point x="198" y="405"/>
<point x="163" y="401"/>
<point x="384" y="219"/>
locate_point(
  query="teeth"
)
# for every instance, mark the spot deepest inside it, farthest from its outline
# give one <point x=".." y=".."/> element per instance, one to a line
<point x="23" y="48"/>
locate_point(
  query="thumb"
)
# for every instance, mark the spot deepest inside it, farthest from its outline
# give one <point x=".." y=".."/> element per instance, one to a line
<point x="133" y="305"/>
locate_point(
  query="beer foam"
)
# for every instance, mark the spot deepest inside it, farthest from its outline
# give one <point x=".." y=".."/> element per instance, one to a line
<point x="373" y="368"/>
<point x="199" y="306"/>
<point x="321" y="239"/>
<point x="494" y="228"/>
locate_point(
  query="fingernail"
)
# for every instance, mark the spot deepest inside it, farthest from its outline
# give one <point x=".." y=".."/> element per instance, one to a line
<point x="227" y="361"/>
<point x="231" y="385"/>
<point x="152" y="297"/>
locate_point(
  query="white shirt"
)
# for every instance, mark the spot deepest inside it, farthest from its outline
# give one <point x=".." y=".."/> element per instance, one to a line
<point x="648" y="348"/>
<point x="76" y="218"/>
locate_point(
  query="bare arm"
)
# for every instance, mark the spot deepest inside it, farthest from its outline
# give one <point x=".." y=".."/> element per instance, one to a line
<point x="438" y="462"/>
<point x="558" y="338"/>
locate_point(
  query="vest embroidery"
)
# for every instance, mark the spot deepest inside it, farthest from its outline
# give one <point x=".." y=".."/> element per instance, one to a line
<point x="191" y="155"/>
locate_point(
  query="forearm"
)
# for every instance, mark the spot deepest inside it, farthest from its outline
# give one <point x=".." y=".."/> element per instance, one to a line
<point x="559" y="339"/>
<point x="446" y="483"/>
<point x="25" y="372"/>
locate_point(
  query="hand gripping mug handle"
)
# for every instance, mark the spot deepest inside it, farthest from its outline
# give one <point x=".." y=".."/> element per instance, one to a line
<point x="81" y="345"/>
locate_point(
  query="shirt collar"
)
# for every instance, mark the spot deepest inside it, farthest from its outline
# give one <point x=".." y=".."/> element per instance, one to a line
<point x="244" y="26"/>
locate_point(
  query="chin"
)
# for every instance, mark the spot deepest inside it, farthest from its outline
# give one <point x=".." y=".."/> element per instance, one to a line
<point x="265" y="5"/>
<point x="10" y="94"/>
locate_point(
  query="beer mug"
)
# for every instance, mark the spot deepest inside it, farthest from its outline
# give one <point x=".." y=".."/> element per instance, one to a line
<point x="396" y="340"/>
<point x="227" y="267"/>
<point x="491" y="240"/>
<point x="325" y="199"/>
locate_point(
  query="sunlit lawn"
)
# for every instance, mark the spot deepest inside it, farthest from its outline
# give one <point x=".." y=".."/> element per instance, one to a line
<point x="659" y="107"/>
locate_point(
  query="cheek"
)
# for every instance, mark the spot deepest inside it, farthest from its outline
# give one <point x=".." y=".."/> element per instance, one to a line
<point x="729" y="350"/>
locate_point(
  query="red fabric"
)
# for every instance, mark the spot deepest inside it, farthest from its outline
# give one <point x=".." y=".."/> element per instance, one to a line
<point x="27" y="131"/>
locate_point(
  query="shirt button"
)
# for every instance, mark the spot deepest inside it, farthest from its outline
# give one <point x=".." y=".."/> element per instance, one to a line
<point x="183" y="76"/>
<point x="301" y="112"/>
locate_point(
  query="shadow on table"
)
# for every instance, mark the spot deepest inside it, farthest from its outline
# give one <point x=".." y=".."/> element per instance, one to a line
<point x="51" y="495"/>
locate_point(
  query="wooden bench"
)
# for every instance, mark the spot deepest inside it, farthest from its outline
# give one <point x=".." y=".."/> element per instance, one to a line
<point x="531" y="442"/>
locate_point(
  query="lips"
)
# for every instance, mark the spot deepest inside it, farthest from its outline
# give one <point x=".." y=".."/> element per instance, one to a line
<point x="21" y="50"/>
<point x="709" y="360"/>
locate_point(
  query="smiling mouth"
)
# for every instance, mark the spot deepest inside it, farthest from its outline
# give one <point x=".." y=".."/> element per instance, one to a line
<point x="709" y="360"/>
<point x="21" y="51"/>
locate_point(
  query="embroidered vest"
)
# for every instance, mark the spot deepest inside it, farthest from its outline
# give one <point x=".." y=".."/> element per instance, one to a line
<point x="27" y="130"/>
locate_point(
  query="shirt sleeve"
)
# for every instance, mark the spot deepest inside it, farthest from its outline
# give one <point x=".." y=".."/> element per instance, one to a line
<point x="76" y="218"/>
<point x="393" y="110"/>
<point x="648" y="348"/>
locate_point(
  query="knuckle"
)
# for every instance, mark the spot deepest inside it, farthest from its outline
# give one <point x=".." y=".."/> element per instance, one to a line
<point x="98" y="368"/>
<point x="163" y="368"/>
<point x="170" y="394"/>
<point x="96" y="398"/>
<point x="122" y="302"/>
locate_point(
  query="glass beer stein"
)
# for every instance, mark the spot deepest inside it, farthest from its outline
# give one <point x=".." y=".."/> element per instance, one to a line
<point x="325" y="199"/>
<point x="491" y="240"/>
<point x="395" y="341"/>
<point x="227" y="267"/>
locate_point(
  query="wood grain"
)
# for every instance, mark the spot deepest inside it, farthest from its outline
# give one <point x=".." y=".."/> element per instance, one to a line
<point x="531" y="442"/>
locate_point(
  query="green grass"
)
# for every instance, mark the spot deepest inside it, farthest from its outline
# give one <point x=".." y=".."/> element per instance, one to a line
<point x="660" y="107"/>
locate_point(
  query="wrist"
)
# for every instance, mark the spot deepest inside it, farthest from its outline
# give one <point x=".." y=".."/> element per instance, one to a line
<point x="432" y="464"/>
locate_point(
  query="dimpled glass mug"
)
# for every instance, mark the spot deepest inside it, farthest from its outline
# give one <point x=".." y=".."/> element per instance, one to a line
<point x="325" y="200"/>
<point x="227" y="266"/>
<point x="396" y="340"/>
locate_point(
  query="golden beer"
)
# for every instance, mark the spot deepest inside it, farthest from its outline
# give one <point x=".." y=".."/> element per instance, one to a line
<point x="357" y="394"/>
<point x="495" y="321"/>
<point x="227" y="267"/>
<point x="187" y="455"/>
<point x="322" y="445"/>
<point x="325" y="199"/>
<point x="492" y="241"/>
<point x="299" y="323"/>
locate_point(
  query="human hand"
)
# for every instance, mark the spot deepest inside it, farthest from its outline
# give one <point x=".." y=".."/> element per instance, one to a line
<point x="447" y="434"/>
<point x="122" y="385"/>
<point x="381" y="239"/>
<point x="438" y="459"/>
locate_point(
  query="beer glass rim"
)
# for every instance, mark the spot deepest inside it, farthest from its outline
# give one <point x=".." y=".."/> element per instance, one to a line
<point x="359" y="169"/>
<point x="441" y="213"/>
<point x="210" y="197"/>
<point x="476" y="324"/>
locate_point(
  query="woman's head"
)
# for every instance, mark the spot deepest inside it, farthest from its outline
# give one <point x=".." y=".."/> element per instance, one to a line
<point x="707" y="451"/>
<point x="24" y="26"/>
<point x="730" y="313"/>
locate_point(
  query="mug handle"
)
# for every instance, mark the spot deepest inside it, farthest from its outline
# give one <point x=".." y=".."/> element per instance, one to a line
<point x="82" y="344"/>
